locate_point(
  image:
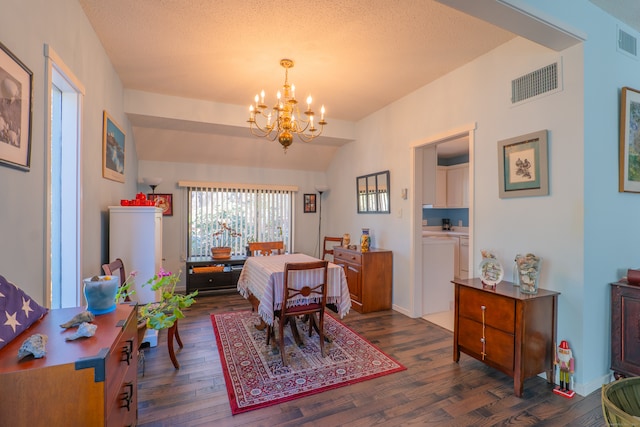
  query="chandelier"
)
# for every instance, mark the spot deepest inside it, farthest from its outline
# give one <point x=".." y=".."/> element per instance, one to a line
<point x="284" y="120"/>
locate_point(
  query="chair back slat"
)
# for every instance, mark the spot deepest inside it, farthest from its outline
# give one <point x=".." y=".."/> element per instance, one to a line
<point x="333" y="241"/>
<point x="266" y="248"/>
<point x="116" y="268"/>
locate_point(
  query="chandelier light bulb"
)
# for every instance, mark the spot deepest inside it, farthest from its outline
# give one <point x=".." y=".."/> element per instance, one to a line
<point x="293" y="91"/>
<point x="322" y="113"/>
<point x="262" y="97"/>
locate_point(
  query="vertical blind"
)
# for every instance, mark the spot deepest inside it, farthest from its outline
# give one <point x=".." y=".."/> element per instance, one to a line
<point x="228" y="215"/>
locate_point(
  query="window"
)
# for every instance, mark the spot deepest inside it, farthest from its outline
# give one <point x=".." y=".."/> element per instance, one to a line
<point x="63" y="180"/>
<point x="258" y="214"/>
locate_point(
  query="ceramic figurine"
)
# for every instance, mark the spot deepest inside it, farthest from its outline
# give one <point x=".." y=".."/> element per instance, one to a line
<point x="564" y="361"/>
<point x="85" y="316"/>
<point x="34" y="345"/>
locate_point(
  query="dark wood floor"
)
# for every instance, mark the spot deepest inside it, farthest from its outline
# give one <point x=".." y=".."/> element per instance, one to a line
<point x="432" y="391"/>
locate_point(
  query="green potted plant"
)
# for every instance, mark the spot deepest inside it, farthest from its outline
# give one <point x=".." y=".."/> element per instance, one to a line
<point x="161" y="314"/>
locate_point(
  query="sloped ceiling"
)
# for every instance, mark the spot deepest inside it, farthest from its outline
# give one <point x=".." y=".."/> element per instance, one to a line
<point x="353" y="56"/>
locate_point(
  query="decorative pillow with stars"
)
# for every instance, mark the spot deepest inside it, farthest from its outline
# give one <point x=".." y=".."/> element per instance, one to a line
<point x="17" y="311"/>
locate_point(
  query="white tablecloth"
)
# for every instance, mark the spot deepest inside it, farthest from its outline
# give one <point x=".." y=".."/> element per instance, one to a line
<point x="263" y="276"/>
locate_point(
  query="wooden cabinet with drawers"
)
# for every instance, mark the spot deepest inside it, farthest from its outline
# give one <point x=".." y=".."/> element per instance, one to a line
<point x="369" y="276"/>
<point x="87" y="382"/>
<point x="507" y="329"/>
<point x="625" y="315"/>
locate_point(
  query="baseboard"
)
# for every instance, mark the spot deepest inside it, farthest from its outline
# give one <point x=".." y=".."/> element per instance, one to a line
<point x="588" y="388"/>
<point x="401" y="310"/>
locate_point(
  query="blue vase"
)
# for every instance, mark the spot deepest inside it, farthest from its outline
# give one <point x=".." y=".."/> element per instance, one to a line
<point x="101" y="294"/>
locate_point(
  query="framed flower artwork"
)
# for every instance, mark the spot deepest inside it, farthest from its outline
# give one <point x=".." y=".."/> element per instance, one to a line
<point x="522" y="166"/>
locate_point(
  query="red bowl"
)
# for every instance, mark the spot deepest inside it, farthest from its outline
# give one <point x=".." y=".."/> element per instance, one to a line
<point x="124" y="202"/>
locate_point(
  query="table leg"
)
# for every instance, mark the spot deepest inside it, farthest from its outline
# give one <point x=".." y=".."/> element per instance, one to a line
<point x="255" y="302"/>
<point x="171" y="333"/>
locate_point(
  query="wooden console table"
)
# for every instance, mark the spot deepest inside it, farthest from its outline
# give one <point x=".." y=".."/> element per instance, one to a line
<point x="87" y="382"/>
<point x="215" y="281"/>
<point x="369" y="276"/>
<point x="509" y="330"/>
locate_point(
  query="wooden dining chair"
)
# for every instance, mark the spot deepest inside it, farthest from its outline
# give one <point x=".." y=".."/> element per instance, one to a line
<point x="116" y="268"/>
<point x="302" y="280"/>
<point x="266" y="248"/>
<point x="332" y="241"/>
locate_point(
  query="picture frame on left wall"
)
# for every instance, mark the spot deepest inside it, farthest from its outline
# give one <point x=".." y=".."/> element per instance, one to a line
<point x="16" y="94"/>
<point x="113" y="153"/>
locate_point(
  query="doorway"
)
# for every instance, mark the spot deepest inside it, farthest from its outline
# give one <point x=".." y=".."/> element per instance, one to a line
<point x="424" y="176"/>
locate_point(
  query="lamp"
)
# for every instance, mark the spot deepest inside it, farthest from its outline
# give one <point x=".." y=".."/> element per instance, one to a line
<point x="153" y="183"/>
<point x="285" y="119"/>
<point x="320" y="189"/>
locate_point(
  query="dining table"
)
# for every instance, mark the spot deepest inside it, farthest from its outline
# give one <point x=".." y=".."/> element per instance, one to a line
<point x="262" y="277"/>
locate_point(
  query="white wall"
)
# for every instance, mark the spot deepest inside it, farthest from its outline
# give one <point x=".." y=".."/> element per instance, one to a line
<point x="174" y="234"/>
<point x="479" y="92"/>
<point x="25" y="26"/>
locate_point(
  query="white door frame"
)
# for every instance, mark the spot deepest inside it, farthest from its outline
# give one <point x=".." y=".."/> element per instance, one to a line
<point x="415" y="259"/>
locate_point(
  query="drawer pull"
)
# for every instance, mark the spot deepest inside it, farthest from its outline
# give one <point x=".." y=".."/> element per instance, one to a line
<point x="127" y="396"/>
<point x="483" y="340"/>
<point x="127" y="352"/>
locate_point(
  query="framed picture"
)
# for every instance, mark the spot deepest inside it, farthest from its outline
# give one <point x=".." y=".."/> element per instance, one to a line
<point x="522" y="166"/>
<point x="629" y="151"/>
<point x="16" y="82"/>
<point x="112" y="149"/>
<point x="309" y="203"/>
<point x="163" y="201"/>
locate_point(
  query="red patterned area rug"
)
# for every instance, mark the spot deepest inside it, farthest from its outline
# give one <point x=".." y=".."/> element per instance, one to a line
<point x="254" y="373"/>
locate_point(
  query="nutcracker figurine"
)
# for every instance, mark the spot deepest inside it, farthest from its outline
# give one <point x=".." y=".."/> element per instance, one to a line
<point x="564" y="361"/>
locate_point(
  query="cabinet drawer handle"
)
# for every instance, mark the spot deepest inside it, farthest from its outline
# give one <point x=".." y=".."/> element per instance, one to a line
<point x="483" y="340"/>
<point x="127" y="352"/>
<point x="127" y="396"/>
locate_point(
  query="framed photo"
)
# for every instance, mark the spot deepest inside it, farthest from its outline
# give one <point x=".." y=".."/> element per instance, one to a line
<point x="309" y="203"/>
<point x="163" y="201"/>
<point x="522" y="166"/>
<point x="112" y="149"/>
<point x="629" y="151"/>
<point x="16" y="82"/>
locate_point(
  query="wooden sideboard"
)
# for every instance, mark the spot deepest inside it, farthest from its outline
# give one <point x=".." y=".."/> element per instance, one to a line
<point x="507" y="329"/>
<point x="625" y="315"/>
<point x="86" y="382"/>
<point x="216" y="281"/>
<point x="369" y="276"/>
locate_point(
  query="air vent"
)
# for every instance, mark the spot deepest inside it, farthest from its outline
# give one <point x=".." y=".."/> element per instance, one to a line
<point x="539" y="82"/>
<point x="627" y="43"/>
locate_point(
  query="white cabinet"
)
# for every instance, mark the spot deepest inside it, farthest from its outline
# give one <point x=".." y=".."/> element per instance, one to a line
<point x="458" y="186"/>
<point x="429" y="172"/>
<point x="438" y="253"/>
<point x="135" y="236"/>
<point x="463" y="258"/>
<point x="441" y="187"/>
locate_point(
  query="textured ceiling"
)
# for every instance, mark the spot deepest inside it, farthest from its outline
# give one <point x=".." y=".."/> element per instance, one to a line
<point x="353" y="56"/>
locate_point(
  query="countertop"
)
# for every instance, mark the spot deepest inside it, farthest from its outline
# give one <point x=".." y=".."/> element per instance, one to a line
<point x="438" y="231"/>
